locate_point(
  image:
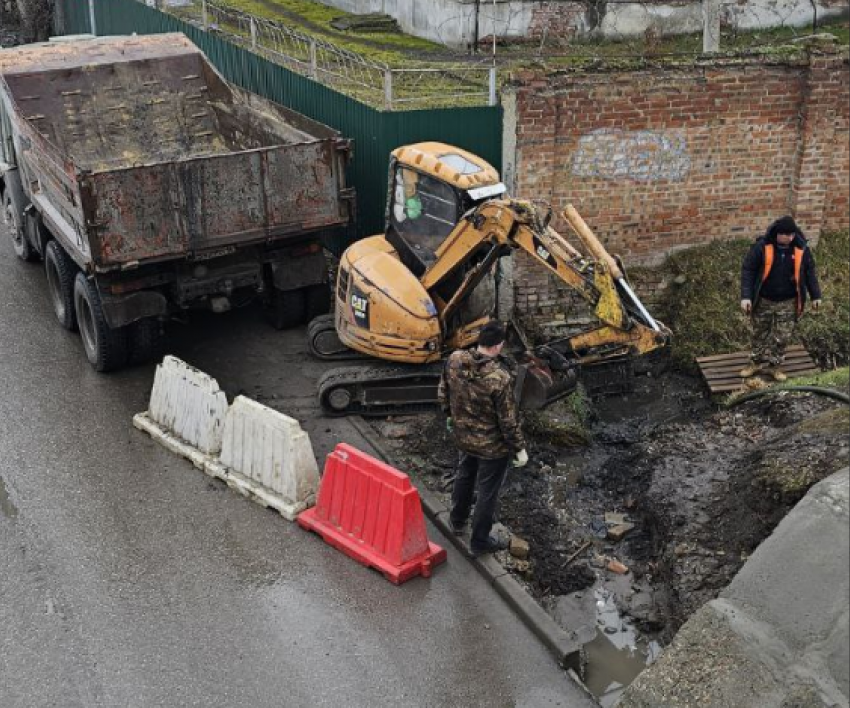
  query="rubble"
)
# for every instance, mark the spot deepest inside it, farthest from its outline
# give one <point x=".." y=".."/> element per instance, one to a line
<point x="519" y="548"/>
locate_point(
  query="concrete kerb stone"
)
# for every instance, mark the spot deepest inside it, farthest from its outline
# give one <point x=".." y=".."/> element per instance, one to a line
<point x="267" y="457"/>
<point x="186" y="411"/>
<point x="566" y="651"/>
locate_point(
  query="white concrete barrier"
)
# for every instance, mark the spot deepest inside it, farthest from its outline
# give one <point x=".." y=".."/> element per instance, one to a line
<point x="266" y="456"/>
<point x="186" y="412"/>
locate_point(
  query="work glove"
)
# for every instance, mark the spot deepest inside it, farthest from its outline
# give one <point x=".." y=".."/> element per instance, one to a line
<point x="816" y="305"/>
<point x="450" y="424"/>
<point x="520" y="459"/>
<point x="747" y="306"/>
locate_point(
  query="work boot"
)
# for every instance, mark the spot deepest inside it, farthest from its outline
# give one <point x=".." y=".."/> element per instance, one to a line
<point x="776" y="374"/>
<point x="457" y="529"/>
<point x="493" y="545"/>
<point x="751" y="369"/>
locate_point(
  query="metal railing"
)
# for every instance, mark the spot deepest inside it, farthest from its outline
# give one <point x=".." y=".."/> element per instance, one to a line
<point x="471" y="83"/>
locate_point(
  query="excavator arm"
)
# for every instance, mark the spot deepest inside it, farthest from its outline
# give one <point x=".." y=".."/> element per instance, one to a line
<point x="498" y="226"/>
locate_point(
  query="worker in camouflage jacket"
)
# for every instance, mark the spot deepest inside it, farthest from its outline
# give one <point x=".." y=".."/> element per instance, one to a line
<point x="477" y="393"/>
<point x="777" y="276"/>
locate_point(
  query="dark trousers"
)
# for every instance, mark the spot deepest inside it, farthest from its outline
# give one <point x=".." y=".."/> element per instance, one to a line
<point x="487" y="476"/>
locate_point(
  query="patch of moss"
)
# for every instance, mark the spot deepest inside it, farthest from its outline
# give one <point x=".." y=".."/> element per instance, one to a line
<point x="702" y="303"/>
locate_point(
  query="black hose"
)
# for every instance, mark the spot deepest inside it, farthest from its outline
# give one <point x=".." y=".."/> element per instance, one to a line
<point x="828" y="392"/>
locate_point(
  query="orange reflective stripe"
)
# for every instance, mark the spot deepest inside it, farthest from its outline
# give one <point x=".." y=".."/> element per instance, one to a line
<point x="768" y="261"/>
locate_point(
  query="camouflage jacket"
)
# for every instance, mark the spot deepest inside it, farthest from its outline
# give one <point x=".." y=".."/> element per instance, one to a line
<point x="478" y="393"/>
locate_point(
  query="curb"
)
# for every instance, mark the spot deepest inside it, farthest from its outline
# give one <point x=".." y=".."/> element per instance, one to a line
<point x="567" y="652"/>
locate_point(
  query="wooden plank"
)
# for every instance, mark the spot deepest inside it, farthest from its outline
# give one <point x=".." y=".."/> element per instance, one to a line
<point x="731" y="365"/>
<point x="733" y="370"/>
<point x="793" y="349"/>
<point x="795" y="369"/>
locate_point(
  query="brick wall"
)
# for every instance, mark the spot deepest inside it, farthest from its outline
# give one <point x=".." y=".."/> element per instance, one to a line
<point x="556" y="20"/>
<point x="661" y="159"/>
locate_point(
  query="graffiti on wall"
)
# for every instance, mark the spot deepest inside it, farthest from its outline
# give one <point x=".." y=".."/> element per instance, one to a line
<point x="642" y="155"/>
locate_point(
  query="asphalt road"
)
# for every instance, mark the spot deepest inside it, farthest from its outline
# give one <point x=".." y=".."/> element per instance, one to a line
<point x="131" y="579"/>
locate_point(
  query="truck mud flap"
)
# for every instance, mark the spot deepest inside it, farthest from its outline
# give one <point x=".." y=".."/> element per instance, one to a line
<point x="121" y="311"/>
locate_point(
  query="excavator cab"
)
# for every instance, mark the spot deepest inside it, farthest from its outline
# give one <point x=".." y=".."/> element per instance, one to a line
<point x="428" y="197"/>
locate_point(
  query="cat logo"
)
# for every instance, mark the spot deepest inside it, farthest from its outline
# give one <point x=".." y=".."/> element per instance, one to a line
<point x="360" y="309"/>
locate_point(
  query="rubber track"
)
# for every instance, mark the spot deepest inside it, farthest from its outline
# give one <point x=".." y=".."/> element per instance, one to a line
<point x="361" y="376"/>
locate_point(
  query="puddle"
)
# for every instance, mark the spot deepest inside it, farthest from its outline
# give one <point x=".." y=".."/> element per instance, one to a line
<point x="7" y="508"/>
<point x="618" y="653"/>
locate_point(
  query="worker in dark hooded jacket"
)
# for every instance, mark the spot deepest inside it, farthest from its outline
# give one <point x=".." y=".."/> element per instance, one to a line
<point x="477" y="393"/>
<point x="777" y="276"/>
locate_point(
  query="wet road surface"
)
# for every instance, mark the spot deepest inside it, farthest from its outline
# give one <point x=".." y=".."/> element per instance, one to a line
<point x="131" y="579"/>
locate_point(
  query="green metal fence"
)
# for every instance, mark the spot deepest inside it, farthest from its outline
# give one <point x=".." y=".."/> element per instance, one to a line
<point x="375" y="133"/>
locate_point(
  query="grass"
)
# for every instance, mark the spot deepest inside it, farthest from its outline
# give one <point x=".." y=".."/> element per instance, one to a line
<point x="836" y="379"/>
<point x="703" y="308"/>
<point x="311" y="18"/>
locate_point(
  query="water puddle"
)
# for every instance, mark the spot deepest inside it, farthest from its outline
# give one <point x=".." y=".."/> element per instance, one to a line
<point x="617" y="655"/>
<point x="7" y="508"/>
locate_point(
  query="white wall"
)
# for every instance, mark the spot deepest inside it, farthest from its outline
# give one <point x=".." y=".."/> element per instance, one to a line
<point x="452" y="22"/>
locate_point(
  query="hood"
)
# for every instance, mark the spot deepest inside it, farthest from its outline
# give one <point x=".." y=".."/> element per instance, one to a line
<point x="474" y="365"/>
<point x="799" y="241"/>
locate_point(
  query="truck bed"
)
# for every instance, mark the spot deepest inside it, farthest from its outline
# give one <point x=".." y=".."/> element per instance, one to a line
<point x="140" y="150"/>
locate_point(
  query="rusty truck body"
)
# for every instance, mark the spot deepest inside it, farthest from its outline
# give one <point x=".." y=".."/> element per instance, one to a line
<point x="151" y="186"/>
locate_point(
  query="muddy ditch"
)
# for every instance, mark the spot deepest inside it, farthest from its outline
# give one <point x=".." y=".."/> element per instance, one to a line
<point x="633" y="530"/>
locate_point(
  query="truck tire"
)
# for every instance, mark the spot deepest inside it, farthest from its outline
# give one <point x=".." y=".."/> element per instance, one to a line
<point x="146" y="341"/>
<point x="318" y="301"/>
<point x="106" y="349"/>
<point x="14" y="223"/>
<point x="288" y="308"/>
<point x="61" y="271"/>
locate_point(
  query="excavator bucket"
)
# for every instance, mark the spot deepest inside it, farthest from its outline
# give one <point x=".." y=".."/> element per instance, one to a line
<point x="542" y="378"/>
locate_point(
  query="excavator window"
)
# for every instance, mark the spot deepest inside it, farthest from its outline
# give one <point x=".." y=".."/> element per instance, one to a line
<point x="424" y="211"/>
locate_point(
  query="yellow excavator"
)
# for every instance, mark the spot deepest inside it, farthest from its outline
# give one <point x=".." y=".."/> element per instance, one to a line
<point x="425" y="287"/>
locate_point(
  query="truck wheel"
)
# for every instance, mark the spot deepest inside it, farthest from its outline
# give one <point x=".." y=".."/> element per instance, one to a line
<point x="14" y="223"/>
<point x="288" y="308"/>
<point x="60" y="270"/>
<point x="106" y="348"/>
<point x="318" y="301"/>
<point x="146" y="341"/>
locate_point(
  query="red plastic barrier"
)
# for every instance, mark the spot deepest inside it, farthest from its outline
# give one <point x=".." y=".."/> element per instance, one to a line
<point x="372" y="513"/>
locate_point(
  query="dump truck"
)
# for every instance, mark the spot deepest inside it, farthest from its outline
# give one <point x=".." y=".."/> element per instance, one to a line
<point x="150" y="187"/>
